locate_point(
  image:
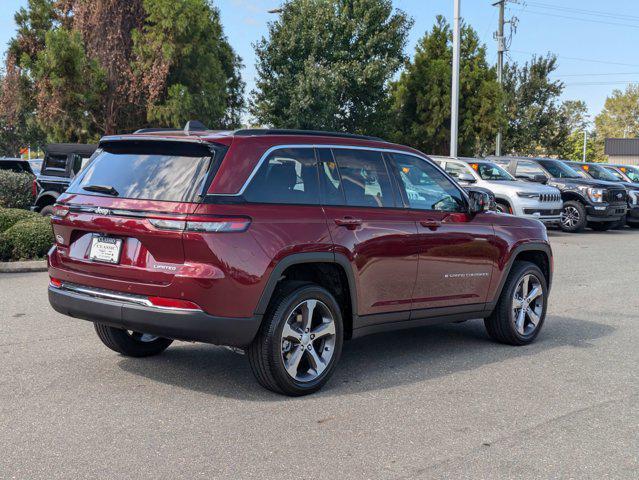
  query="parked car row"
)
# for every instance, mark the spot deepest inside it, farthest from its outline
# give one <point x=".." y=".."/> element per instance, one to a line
<point x="572" y="195"/>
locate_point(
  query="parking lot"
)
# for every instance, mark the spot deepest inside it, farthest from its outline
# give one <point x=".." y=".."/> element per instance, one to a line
<point x="440" y="402"/>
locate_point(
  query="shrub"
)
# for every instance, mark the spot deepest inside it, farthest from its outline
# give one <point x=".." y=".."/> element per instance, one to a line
<point x="10" y="216"/>
<point x="15" y="189"/>
<point x="28" y="239"/>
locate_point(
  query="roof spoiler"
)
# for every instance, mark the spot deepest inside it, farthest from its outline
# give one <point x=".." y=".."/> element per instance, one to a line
<point x="191" y="126"/>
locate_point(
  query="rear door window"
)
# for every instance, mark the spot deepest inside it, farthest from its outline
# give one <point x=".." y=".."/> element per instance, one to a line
<point x="146" y="173"/>
<point x="364" y="178"/>
<point x="287" y="175"/>
<point x="528" y="169"/>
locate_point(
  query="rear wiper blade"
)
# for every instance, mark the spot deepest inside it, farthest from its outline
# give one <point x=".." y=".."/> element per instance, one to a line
<point x="109" y="190"/>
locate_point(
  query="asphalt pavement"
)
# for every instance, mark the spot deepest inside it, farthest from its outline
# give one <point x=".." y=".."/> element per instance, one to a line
<point x="439" y="402"/>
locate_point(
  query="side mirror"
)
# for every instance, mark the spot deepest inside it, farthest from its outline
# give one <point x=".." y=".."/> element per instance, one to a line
<point x="481" y="200"/>
<point x="539" y="178"/>
<point x="466" y="178"/>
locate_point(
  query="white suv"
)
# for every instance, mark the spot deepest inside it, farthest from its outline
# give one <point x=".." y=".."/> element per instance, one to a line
<point x="524" y="199"/>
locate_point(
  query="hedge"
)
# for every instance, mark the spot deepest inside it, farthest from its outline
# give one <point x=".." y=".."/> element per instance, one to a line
<point x="10" y="216"/>
<point x="28" y="239"/>
<point x="15" y="189"/>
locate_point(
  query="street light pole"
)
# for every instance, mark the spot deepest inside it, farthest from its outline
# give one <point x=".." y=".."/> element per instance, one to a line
<point x="454" y="107"/>
<point x="585" y="142"/>
<point x="501" y="46"/>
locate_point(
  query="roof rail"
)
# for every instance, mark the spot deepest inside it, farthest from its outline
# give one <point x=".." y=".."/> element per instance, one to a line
<point x="152" y="130"/>
<point x="248" y="132"/>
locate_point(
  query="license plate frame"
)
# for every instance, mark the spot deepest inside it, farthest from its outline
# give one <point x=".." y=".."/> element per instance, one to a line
<point x="105" y="249"/>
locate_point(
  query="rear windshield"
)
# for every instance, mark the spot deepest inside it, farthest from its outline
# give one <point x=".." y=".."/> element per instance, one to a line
<point x="146" y="173"/>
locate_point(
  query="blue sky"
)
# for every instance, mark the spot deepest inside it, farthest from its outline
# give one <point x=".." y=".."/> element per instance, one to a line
<point x="596" y="42"/>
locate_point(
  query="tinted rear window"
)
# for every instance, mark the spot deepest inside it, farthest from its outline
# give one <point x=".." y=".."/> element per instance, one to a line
<point x="147" y="174"/>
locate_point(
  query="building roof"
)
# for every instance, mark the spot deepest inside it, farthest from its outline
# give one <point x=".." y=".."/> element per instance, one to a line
<point x="621" y="146"/>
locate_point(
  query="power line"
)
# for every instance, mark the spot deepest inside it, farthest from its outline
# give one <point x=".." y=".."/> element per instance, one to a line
<point x="581" y="11"/>
<point x="602" y="83"/>
<point x="546" y="14"/>
<point x="596" y="74"/>
<point x="581" y="59"/>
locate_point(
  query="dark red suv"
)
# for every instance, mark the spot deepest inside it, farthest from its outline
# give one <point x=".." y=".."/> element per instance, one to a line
<point x="284" y="244"/>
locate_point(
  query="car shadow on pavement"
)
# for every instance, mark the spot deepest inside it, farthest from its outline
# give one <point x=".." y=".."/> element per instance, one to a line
<point x="371" y="363"/>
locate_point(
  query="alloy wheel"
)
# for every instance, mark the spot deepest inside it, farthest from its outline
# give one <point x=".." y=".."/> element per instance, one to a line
<point x="570" y="217"/>
<point x="527" y="304"/>
<point x="308" y="340"/>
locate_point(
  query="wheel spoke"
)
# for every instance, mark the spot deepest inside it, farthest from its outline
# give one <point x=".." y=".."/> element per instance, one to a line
<point x="534" y="318"/>
<point x="534" y="293"/>
<point x="308" y="308"/>
<point x="521" y="319"/>
<point x="323" y="329"/>
<point x="524" y="286"/>
<point x="293" y="362"/>
<point x="291" y="333"/>
<point x="517" y="302"/>
<point x="316" y="362"/>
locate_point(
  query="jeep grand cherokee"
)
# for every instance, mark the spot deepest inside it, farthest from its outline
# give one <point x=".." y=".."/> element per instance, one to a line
<point x="284" y="244"/>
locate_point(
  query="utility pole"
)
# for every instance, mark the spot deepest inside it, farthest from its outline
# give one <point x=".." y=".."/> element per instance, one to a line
<point x="501" y="47"/>
<point x="454" y="102"/>
<point x="585" y="142"/>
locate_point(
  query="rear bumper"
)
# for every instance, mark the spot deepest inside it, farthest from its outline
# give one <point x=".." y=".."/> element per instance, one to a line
<point x="170" y="323"/>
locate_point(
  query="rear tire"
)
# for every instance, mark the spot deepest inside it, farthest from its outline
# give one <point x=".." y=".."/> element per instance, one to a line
<point x="573" y="217"/>
<point x="131" y="344"/>
<point x="525" y="286"/>
<point x="300" y="341"/>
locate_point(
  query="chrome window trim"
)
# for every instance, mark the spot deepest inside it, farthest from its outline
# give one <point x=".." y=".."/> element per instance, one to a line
<point x="332" y="146"/>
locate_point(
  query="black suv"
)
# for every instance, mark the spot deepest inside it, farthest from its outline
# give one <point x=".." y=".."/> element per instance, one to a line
<point x="610" y="174"/>
<point x="597" y="204"/>
<point x="61" y="163"/>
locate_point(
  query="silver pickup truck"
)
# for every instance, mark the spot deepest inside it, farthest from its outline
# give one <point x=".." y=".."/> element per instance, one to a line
<point x="524" y="199"/>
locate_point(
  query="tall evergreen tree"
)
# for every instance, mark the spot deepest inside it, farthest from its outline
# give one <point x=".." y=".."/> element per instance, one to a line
<point x="326" y="64"/>
<point x="537" y="124"/>
<point x="422" y="95"/>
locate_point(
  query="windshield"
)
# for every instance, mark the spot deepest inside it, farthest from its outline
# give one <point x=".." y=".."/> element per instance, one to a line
<point x="492" y="172"/>
<point x="631" y="172"/>
<point x="616" y="174"/>
<point x="152" y="175"/>
<point x="558" y="169"/>
<point x="598" y="172"/>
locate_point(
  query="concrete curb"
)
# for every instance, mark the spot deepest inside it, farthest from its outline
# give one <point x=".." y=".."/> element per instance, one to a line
<point x="21" y="267"/>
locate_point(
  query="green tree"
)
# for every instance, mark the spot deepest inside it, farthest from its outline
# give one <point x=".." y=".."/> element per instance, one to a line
<point x="422" y="95"/>
<point x="537" y="125"/>
<point x="69" y="87"/>
<point x="620" y="115"/>
<point x="326" y="64"/>
<point x="185" y="66"/>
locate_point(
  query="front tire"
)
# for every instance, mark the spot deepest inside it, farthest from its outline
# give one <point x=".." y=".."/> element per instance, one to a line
<point x="131" y="344"/>
<point x="521" y="308"/>
<point x="300" y="341"/>
<point x="573" y="217"/>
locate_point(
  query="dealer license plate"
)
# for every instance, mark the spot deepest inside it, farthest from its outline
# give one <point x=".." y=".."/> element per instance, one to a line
<point x="105" y="249"/>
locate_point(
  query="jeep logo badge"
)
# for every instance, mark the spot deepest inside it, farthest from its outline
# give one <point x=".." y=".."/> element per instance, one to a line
<point x="102" y="211"/>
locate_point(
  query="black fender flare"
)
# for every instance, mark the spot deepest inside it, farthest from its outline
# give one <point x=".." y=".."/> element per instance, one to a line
<point x="301" y="258"/>
<point x="49" y="193"/>
<point x="524" y="247"/>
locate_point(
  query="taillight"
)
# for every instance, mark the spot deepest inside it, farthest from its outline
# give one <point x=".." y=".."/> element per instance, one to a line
<point x="163" y="302"/>
<point x="34" y="188"/>
<point x="60" y="211"/>
<point x="203" y="224"/>
<point x="54" y="282"/>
